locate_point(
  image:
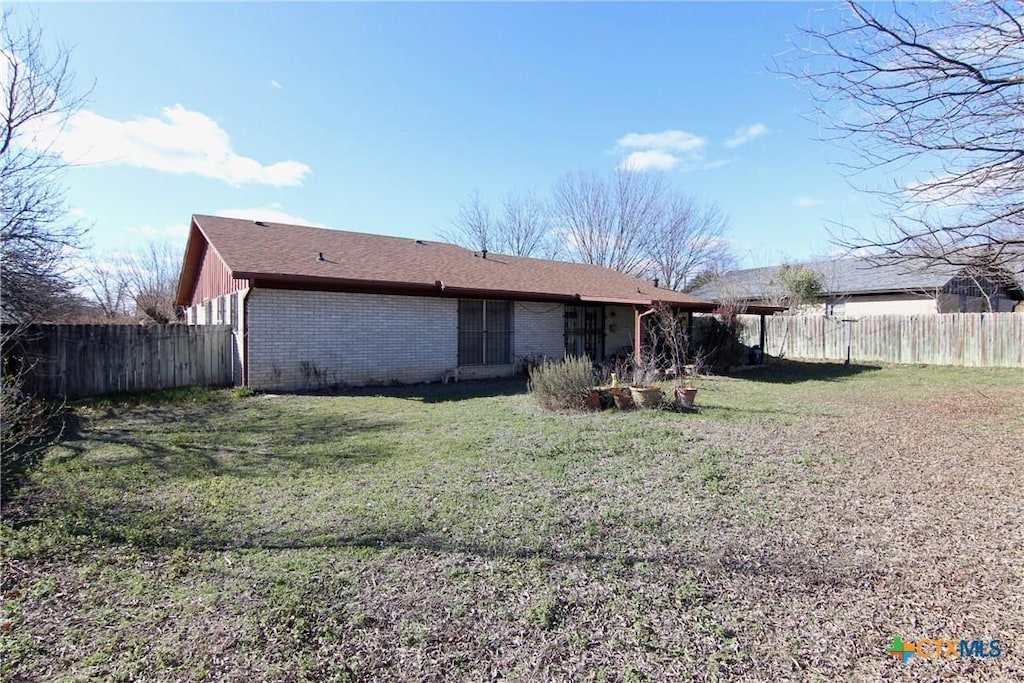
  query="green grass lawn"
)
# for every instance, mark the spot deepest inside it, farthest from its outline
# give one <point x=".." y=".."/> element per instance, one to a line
<point x="803" y="518"/>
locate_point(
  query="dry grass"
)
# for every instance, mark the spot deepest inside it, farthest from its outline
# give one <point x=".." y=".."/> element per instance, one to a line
<point x="787" y="532"/>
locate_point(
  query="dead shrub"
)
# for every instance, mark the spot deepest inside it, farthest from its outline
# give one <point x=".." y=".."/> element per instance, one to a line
<point x="562" y="385"/>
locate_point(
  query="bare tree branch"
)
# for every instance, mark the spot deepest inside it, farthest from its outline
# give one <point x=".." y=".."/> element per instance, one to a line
<point x="473" y="228"/>
<point x="935" y="95"/>
<point x="106" y="280"/>
<point x="36" y="237"/>
<point x="610" y="222"/>
<point x="690" y="240"/>
<point x="152" y="280"/>
<point x="522" y="228"/>
<point x="629" y="221"/>
<point x="525" y="227"/>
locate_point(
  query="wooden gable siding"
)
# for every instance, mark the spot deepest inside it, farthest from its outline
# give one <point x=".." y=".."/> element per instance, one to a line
<point x="214" y="278"/>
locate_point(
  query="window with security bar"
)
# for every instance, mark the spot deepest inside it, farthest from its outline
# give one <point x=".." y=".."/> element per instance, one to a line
<point x="485" y="332"/>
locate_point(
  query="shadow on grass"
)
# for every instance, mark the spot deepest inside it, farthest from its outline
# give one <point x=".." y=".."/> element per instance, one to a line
<point x="444" y="393"/>
<point x="806" y="565"/>
<point x="784" y="371"/>
<point x="728" y="412"/>
<point x="191" y="394"/>
<point x="225" y="438"/>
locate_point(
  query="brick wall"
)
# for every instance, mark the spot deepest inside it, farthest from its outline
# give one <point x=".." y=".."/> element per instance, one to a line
<point x="539" y="330"/>
<point x="306" y="340"/>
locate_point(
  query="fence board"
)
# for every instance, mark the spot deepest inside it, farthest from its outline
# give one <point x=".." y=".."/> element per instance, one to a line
<point x="75" y="361"/>
<point x="966" y="339"/>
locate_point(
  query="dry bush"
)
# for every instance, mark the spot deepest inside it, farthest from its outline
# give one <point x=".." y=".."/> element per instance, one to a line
<point x="719" y="345"/>
<point x="562" y="385"/>
<point x="28" y="424"/>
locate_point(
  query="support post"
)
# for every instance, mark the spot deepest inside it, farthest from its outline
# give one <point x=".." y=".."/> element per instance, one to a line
<point x="761" y="340"/>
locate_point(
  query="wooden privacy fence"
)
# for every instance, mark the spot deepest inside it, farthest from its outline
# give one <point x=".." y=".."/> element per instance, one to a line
<point x="75" y="361"/>
<point x="967" y="339"/>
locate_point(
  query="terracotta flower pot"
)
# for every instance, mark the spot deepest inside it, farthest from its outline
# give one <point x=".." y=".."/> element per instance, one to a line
<point x="646" y="396"/>
<point x="686" y="396"/>
<point x="623" y="399"/>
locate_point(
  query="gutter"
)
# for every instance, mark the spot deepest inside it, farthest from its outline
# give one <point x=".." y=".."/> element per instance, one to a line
<point x="504" y="294"/>
<point x="245" y="334"/>
<point x="638" y="335"/>
<point x="313" y="281"/>
<point x="613" y="300"/>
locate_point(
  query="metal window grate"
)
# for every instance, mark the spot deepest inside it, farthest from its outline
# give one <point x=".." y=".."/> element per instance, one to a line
<point x="485" y="332"/>
<point x="584" y="331"/>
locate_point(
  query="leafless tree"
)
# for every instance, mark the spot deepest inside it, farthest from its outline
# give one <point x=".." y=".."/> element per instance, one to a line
<point x="525" y="226"/>
<point x="689" y="239"/>
<point x="474" y="227"/>
<point x="106" y="281"/>
<point x="612" y="221"/>
<point x="36" y="238"/>
<point x="36" y="99"/>
<point x="630" y="222"/>
<point x="521" y="228"/>
<point x="152" y="281"/>
<point x="935" y="93"/>
<point x="136" y="286"/>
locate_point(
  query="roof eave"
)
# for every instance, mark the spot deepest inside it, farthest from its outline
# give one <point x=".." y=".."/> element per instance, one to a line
<point x="630" y="301"/>
<point x="511" y="294"/>
<point x="755" y="309"/>
<point x="922" y="290"/>
<point x="189" y="265"/>
<point x="688" y="305"/>
<point x="316" y="282"/>
<point x="437" y="288"/>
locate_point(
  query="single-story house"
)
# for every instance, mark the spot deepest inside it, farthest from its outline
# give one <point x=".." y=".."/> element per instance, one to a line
<point x="313" y="307"/>
<point x="852" y="287"/>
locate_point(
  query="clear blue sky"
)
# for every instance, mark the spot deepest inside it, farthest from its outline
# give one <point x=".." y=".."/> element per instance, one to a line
<point x="384" y="117"/>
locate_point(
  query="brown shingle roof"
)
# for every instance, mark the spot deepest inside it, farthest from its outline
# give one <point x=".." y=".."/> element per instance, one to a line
<point x="288" y="255"/>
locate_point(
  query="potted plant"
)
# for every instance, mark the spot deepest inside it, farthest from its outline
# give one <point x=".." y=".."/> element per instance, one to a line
<point x="645" y="392"/>
<point x="623" y="398"/>
<point x="646" y="395"/>
<point x="620" y="394"/>
<point x="685" y="395"/>
<point x="676" y="341"/>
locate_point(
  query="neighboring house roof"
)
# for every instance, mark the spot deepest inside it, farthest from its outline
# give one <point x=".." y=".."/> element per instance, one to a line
<point x="838" y="278"/>
<point x="278" y="255"/>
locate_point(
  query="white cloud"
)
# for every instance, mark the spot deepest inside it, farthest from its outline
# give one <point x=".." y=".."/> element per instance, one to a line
<point x="806" y="202"/>
<point x="271" y="214"/>
<point x="650" y="160"/>
<point x="746" y="134"/>
<point x="659" y="151"/>
<point x="665" y="141"/>
<point x="717" y="163"/>
<point x="275" y="85"/>
<point x="179" y="141"/>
